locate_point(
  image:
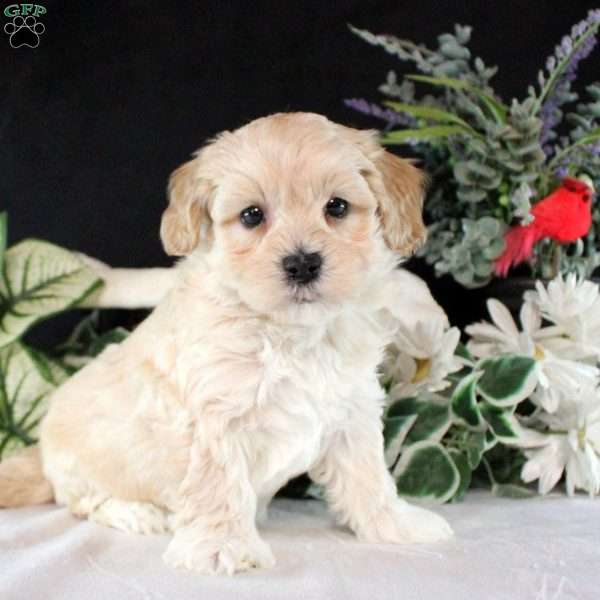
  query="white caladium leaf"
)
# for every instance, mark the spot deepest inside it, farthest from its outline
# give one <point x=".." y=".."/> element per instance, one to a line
<point x="27" y="378"/>
<point x="426" y="471"/>
<point x="39" y="279"/>
<point x="507" y="380"/>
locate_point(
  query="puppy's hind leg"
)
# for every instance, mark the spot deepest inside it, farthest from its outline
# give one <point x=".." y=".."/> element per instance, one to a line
<point x="131" y="517"/>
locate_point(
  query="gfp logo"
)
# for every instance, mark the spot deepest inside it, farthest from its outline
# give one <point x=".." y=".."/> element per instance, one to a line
<point x="24" y="29"/>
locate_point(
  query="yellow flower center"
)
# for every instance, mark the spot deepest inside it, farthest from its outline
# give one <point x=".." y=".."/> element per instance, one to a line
<point x="538" y="353"/>
<point x="423" y="369"/>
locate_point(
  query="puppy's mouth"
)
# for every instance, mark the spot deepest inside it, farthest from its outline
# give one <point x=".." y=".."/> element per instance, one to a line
<point x="304" y="294"/>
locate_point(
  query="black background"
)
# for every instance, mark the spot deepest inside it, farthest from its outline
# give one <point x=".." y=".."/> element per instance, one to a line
<point x="119" y="93"/>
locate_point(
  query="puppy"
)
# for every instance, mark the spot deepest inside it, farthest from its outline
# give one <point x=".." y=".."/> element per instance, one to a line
<point x="260" y="363"/>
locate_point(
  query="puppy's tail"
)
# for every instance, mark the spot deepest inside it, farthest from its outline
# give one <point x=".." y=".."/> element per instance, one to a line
<point x="22" y="481"/>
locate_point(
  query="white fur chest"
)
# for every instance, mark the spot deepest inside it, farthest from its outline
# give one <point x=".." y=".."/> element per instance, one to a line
<point x="293" y="387"/>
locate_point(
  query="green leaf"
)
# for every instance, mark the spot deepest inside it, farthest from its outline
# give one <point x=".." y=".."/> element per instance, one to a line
<point x="39" y="280"/>
<point x="490" y="440"/>
<point x="496" y="108"/>
<point x="428" y="113"/>
<point x="426" y="133"/>
<point x="113" y="336"/>
<point x="24" y="391"/>
<point x="426" y="471"/>
<point x="433" y="417"/>
<point x="48" y="368"/>
<point x="464" y="470"/>
<point x="502" y="422"/>
<point x="3" y="237"/>
<point x="463" y="352"/>
<point x="394" y="434"/>
<point x="511" y="490"/>
<point x="475" y="447"/>
<point x="464" y="402"/>
<point x="507" y="380"/>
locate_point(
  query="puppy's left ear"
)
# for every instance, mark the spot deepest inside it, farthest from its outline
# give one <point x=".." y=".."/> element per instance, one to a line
<point x="401" y="203"/>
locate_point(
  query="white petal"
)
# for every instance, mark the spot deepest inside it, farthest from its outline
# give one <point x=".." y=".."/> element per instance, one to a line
<point x="531" y="318"/>
<point x="501" y="317"/>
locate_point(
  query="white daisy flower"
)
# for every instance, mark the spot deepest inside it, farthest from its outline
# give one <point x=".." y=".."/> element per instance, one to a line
<point x="572" y="446"/>
<point x="421" y="358"/>
<point x="574" y="306"/>
<point x="557" y="376"/>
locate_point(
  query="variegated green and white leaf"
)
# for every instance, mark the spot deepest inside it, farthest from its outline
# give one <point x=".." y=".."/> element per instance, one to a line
<point x="502" y="422"/>
<point x="38" y="280"/>
<point x="26" y="380"/>
<point x="395" y="430"/>
<point x="511" y="490"/>
<point x="464" y="402"/>
<point x="507" y="380"/>
<point x="426" y="471"/>
<point x="465" y="472"/>
<point x="433" y="416"/>
<point x="475" y="447"/>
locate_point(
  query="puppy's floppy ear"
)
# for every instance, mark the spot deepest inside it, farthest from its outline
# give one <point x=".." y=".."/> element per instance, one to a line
<point x="401" y="204"/>
<point x="187" y="214"/>
<point x="399" y="188"/>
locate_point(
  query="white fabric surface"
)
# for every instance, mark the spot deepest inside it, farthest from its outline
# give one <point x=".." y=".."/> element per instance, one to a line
<point x="539" y="549"/>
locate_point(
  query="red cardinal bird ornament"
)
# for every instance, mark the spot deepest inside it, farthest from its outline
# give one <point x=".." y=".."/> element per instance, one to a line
<point x="564" y="216"/>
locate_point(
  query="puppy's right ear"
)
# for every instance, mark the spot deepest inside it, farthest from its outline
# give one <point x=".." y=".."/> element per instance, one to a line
<point x="187" y="214"/>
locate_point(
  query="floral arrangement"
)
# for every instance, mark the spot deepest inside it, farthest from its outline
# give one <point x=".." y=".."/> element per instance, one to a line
<point x="515" y="405"/>
<point x="491" y="161"/>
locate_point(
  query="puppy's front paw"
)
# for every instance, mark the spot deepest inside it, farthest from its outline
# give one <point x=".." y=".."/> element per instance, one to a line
<point x="215" y="557"/>
<point x="405" y="524"/>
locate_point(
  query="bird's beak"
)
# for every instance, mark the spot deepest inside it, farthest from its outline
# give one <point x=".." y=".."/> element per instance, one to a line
<point x="588" y="181"/>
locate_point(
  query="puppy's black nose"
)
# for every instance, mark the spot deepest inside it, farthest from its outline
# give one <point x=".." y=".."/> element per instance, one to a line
<point x="302" y="268"/>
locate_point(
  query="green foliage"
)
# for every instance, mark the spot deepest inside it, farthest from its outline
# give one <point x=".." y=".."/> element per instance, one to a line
<point x="37" y="280"/>
<point x="457" y="427"/>
<point x="426" y="471"/>
<point x="27" y="378"/>
<point x="487" y="158"/>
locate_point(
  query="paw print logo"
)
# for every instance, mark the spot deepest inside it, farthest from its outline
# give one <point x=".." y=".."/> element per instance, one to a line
<point x="24" y="31"/>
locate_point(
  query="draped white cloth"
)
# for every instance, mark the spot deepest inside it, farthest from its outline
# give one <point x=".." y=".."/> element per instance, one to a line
<point x="539" y="549"/>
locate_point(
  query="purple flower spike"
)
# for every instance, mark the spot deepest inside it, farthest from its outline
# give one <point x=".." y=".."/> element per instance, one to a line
<point x="550" y="113"/>
<point x="391" y="117"/>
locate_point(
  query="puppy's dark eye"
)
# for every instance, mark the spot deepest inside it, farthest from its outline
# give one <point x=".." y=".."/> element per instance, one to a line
<point x="337" y="208"/>
<point x="252" y="216"/>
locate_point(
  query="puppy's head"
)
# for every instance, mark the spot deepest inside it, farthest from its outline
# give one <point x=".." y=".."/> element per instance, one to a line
<point x="295" y="210"/>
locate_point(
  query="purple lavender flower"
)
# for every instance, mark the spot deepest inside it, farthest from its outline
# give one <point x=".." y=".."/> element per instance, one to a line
<point x="561" y="172"/>
<point x="578" y="158"/>
<point x="391" y="117"/>
<point x="550" y="112"/>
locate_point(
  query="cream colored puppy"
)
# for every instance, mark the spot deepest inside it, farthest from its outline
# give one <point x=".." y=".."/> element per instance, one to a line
<point x="260" y="363"/>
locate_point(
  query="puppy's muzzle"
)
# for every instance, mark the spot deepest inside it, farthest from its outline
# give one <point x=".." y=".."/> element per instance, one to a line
<point x="302" y="268"/>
